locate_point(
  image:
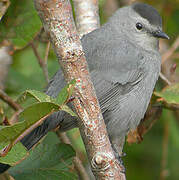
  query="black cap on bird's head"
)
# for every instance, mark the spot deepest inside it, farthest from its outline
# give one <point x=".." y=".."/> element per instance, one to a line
<point x="149" y="13"/>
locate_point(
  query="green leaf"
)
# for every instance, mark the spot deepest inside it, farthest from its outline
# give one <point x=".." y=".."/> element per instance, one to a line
<point x="30" y="115"/>
<point x="68" y="110"/>
<point x="47" y="161"/>
<point x="20" y="24"/>
<point x="65" y="93"/>
<point x="16" y="154"/>
<point x="170" y="95"/>
<point x="61" y="99"/>
<point x="26" y="29"/>
<point x="37" y="95"/>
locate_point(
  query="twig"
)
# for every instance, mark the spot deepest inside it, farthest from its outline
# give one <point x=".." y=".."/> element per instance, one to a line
<point x="151" y="116"/>
<point x="14" y="117"/>
<point x="164" y="172"/>
<point x="171" y="106"/>
<point x="77" y="162"/>
<point x="9" y="101"/>
<point x="58" y="22"/>
<point x="47" y="52"/>
<point x="18" y="109"/>
<point x="170" y="51"/>
<point x="41" y="62"/>
<point x="162" y="76"/>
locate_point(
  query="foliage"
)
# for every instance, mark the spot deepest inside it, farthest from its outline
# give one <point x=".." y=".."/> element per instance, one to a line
<point x="37" y="112"/>
<point x="49" y="160"/>
<point x="21" y="23"/>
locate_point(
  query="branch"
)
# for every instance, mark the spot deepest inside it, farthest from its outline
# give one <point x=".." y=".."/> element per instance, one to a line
<point x="57" y="18"/>
<point x="170" y="51"/>
<point x="9" y="101"/>
<point x="46" y="53"/>
<point x="86" y="13"/>
<point x="151" y="116"/>
<point x="63" y="137"/>
<point x="41" y="62"/>
<point x="13" y="104"/>
<point x="87" y="20"/>
<point x="162" y="76"/>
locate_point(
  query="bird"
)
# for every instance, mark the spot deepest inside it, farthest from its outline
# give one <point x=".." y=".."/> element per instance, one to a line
<point x="124" y="64"/>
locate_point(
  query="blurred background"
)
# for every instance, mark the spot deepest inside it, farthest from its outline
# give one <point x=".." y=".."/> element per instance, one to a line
<point x="156" y="156"/>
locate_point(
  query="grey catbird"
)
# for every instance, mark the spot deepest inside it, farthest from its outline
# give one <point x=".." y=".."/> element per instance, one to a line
<point x="124" y="64"/>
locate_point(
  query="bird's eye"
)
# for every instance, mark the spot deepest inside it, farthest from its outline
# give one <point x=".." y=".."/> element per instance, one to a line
<point x="139" y="26"/>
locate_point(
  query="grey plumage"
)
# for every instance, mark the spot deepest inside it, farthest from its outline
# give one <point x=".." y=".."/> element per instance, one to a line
<point x="124" y="64"/>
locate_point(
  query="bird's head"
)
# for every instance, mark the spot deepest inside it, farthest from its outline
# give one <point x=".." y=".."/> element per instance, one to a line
<point x="141" y="23"/>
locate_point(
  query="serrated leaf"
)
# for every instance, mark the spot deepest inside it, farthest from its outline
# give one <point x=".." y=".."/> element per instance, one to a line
<point x="30" y="115"/>
<point x="61" y="99"/>
<point x="37" y="95"/>
<point x="170" y="95"/>
<point x="16" y="154"/>
<point x="46" y="161"/>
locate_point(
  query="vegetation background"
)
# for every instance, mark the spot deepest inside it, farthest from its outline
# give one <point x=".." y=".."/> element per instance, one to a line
<point x="156" y="157"/>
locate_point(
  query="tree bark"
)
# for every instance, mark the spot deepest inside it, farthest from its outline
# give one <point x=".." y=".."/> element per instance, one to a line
<point x="57" y="19"/>
<point x="86" y="14"/>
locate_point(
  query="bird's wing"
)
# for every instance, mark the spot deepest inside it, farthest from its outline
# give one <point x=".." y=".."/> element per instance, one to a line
<point x="116" y="68"/>
<point x="109" y="93"/>
<point x="106" y="91"/>
<point x="56" y="84"/>
<point x="119" y="61"/>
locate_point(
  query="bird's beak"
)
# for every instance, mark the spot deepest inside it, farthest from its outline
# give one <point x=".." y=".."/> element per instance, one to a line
<point x="160" y="34"/>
